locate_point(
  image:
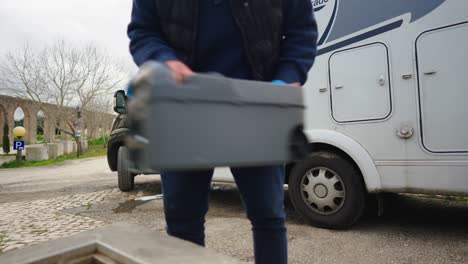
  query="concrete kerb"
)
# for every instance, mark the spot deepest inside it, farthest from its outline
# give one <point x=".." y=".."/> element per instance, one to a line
<point x="6" y="159"/>
<point x="121" y="243"/>
<point x="52" y="149"/>
<point x="49" y="150"/>
<point x="36" y="152"/>
<point x="84" y="144"/>
<point x="74" y="146"/>
<point x="60" y="151"/>
<point x="67" y="147"/>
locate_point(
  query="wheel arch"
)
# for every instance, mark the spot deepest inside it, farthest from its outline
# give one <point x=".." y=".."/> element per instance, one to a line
<point x="112" y="154"/>
<point x="348" y="148"/>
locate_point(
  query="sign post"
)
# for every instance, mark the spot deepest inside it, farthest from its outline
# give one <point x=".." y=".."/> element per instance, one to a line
<point x="18" y="145"/>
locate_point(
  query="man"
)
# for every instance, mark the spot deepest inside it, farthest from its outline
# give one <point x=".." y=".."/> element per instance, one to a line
<point x="267" y="40"/>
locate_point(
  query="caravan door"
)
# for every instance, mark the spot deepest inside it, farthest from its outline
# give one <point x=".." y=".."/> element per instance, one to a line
<point x="442" y="59"/>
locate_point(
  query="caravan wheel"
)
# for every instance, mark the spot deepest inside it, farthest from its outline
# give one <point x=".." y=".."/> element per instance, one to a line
<point x="327" y="190"/>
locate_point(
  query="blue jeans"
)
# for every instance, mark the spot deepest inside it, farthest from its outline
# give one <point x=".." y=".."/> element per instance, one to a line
<point x="261" y="188"/>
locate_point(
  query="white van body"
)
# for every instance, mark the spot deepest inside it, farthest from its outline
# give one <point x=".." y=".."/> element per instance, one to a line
<point x="386" y="108"/>
<point x="386" y="103"/>
<point x="390" y="89"/>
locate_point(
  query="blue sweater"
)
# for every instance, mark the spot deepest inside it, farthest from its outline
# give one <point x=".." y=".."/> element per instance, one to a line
<point x="219" y="46"/>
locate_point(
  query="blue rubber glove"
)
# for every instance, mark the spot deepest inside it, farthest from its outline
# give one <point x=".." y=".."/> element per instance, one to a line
<point x="278" y="82"/>
<point x="129" y="90"/>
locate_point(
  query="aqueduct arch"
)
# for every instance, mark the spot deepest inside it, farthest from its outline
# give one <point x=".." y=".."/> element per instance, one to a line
<point x="9" y="104"/>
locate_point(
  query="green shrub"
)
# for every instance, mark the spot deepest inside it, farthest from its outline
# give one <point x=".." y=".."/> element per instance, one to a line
<point x="98" y="140"/>
<point x="6" y="139"/>
<point x="40" y="138"/>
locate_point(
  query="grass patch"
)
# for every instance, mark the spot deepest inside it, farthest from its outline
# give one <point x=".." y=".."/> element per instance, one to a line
<point x="87" y="206"/>
<point x="444" y="197"/>
<point x="7" y="155"/>
<point x="456" y="198"/>
<point x="39" y="231"/>
<point x="98" y="140"/>
<point x="91" y="152"/>
<point x="39" y="139"/>
<point x="3" y="240"/>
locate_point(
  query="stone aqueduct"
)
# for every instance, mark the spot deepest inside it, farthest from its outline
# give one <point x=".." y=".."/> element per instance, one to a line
<point x="93" y="122"/>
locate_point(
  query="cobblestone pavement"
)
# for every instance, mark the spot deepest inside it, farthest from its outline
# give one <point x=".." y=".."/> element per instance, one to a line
<point x="27" y="223"/>
<point x="82" y="195"/>
<point x="420" y="230"/>
<point x="47" y="182"/>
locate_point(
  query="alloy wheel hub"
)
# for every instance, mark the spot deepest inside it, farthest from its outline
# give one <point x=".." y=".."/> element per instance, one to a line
<point x="320" y="191"/>
<point x="323" y="190"/>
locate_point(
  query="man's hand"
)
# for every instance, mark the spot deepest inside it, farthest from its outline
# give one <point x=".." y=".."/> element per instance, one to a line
<point x="296" y="84"/>
<point x="179" y="70"/>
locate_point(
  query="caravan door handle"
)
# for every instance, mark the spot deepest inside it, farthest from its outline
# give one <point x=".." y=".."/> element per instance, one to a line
<point x="339" y="86"/>
<point x="430" y="73"/>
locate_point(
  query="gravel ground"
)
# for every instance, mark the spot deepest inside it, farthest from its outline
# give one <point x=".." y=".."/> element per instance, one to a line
<point x="412" y="230"/>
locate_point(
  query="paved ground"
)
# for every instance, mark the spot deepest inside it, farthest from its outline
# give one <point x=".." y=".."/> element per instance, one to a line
<point x="75" y="176"/>
<point x="44" y="203"/>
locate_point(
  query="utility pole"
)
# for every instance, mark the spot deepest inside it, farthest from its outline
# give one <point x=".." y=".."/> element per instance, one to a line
<point x="78" y="127"/>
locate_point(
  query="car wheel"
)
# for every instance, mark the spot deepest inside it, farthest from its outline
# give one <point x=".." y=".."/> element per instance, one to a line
<point x="125" y="178"/>
<point x="327" y="190"/>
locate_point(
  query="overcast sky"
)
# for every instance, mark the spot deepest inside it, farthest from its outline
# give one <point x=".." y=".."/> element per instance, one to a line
<point x="42" y="21"/>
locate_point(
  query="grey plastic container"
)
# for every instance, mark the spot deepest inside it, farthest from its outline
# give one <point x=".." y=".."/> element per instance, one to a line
<point x="211" y="121"/>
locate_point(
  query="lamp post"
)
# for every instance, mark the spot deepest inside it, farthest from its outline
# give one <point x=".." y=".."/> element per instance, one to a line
<point x="19" y="132"/>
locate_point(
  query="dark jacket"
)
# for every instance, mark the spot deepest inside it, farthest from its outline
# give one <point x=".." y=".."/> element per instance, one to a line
<point x="278" y="37"/>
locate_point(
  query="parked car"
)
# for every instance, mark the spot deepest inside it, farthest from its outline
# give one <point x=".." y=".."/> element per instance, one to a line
<point x="117" y="152"/>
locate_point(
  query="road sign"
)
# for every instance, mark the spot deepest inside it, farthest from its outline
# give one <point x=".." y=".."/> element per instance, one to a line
<point x="18" y="145"/>
<point x="77" y="133"/>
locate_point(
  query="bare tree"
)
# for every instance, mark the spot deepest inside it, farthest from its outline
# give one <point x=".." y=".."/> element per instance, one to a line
<point x="62" y="74"/>
<point x="104" y="106"/>
<point x="98" y="77"/>
<point x="23" y="76"/>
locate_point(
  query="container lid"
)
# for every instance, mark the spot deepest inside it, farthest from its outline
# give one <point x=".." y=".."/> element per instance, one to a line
<point x="213" y="88"/>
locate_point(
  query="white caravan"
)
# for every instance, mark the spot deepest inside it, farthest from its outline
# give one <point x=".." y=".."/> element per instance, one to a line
<point x="387" y="106"/>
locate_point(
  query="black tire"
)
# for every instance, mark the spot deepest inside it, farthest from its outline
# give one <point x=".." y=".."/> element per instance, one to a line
<point x="350" y="186"/>
<point x="126" y="179"/>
